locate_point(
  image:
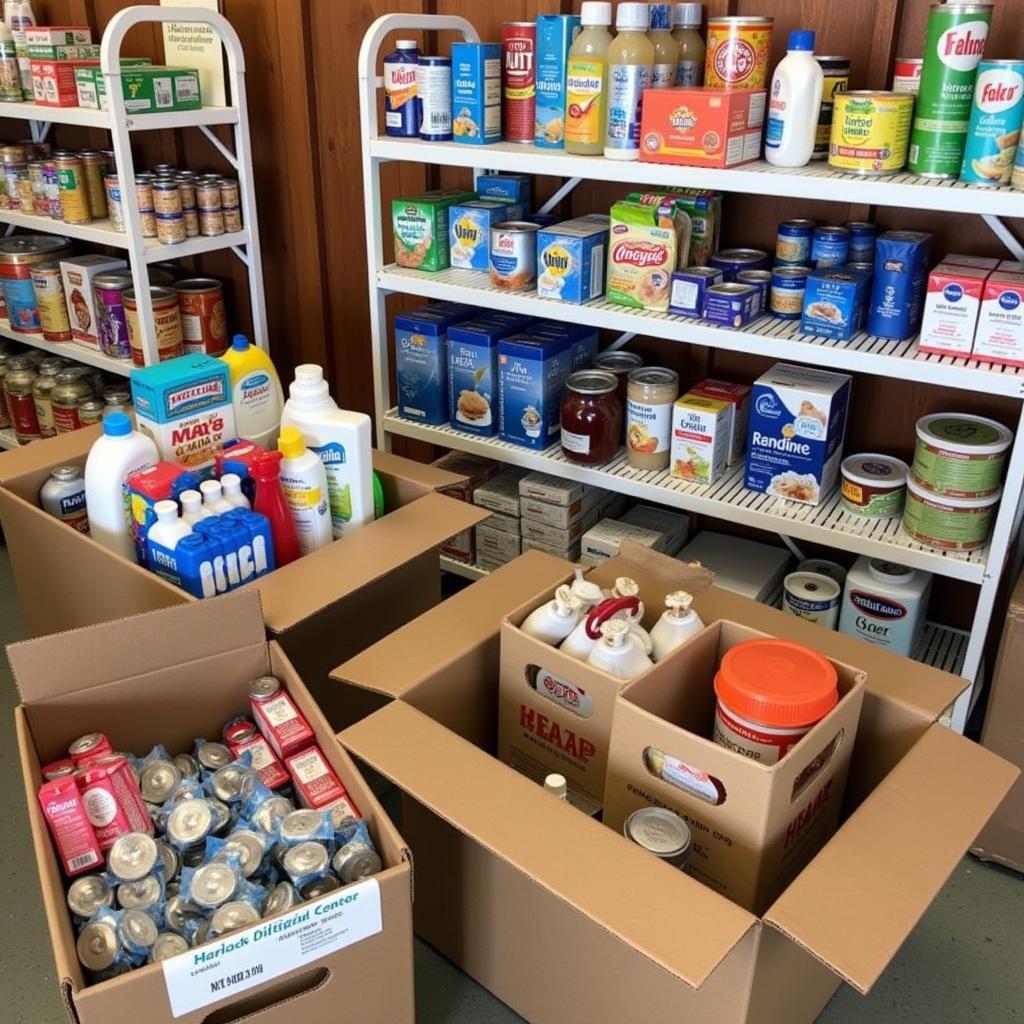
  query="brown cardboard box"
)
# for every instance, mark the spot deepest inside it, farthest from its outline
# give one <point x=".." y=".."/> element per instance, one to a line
<point x="345" y="596"/>
<point x="566" y="921"/>
<point x="167" y="677"/>
<point x="754" y="826"/>
<point x="1002" y="839"/>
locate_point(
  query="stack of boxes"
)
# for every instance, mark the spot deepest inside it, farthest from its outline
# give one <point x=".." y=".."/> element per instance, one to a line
<point x="499" y="538"/>
<point x="657" y="528"/>
<point x="462" y="547"/>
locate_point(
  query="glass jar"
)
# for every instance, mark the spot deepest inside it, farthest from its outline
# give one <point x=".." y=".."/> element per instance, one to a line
<point x="21" y="405"/>
<point x="652" y="391"/>
<point x="73" y="386"/>
<point x="5" y="416"/>
<point x="41" y="392"/>
<point x="621" y="364"/>
<point x="591" y="417"/>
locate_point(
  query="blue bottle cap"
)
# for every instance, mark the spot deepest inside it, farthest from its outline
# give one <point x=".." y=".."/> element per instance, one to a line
<point x="801" y="39"/>
<point x="240" y="342"/>
<point x="116" y="424"/>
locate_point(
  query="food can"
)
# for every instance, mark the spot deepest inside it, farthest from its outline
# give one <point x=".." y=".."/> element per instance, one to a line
<point x="132" y="856"/>
<point x="786" y="299"/>
<point x="873" y="486"/>
<point x="823" y="567"/>
<point x="72" y="387"/>
<point x="960" y="456"/>
<point x="208" y="194"/>
<point x="90" y="745"/>
<point x="42" y="389"/>
<point x="870" y="132"/>
<point x="232" y="916"/>
<point x="950" y="524"/>
<point x="354" y="861"/>
<point x="229" y="187"/>
<point x="97" y="946"/>
<point x="167" y="327"/>
<point x="862" y="240"/>
<point x="953" y="45"/>
<point x="18" y="255"/>
<point x="144" y="191"/>
<point x="732" y="304"/>
<point x="793" y="242"/>
<point x="48" y="286"/>
<point x="434" y="86"/>
<point x="170" y="228"/>
<point x="167" y="946"/>
<point x="94" y="167"/>
<point x="203" y="320"/>
<point x="232" y="216"/>
<point x="836" y="71"/>
<point x="166" y="198"/>
<point x="87" y="894"/>
<point x="906" y="74"/>
<point x="762" y="280"/>
<point x="518" y="81"/>
<point x="140" y="895"/>
<point x="282" y="897"/>
<point x="993" y="134"/>
<point x="732" y="261"/>
<point x="74" y="196"/>
<point x="37" y="182"/>
<point x="300" y="826"/>
<point x="513" y="255"/>
<point x="211" y="222"/>
<point x="191" y="218"/>
<point x="661" y="832"/>
<point x="189" y="823"/>
<point x="112" y="187"/>
<point x="830" y="247"/>
<point x="157" y="778"/>
<point x="737" y="52"/>
<point x="810" y="596"/>
<point x="12" y="172"/>
<point x="111" y="322"/>
<point x="213" y="885"/>
<point x="213" y="755"/>
<point x="63" y="497"/>
<point x="187" y="190"/>
<point x="52" y="182"/>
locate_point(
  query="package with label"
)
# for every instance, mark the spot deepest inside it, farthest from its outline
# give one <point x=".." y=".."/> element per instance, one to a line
<point x="154" y="89"/>
<point x="469" y="230"/>
<point x="53" y="81"/>
<point x="1000" y="334"/>
<point x="531" y="377"/>
<point x="569" y="554"/>
<point x="674" y="525"/>
<point x="78" y="274"/>
<point x="420" y="227"/>
<point x="501" y="493"/>
<point x="514" y="188"/>
<point x="493" y="547"/>
<point x="476" y="92"/>
<point x="951" y="307"/>
<point x="603" y="541"/>
<point x="90" y="86"/>
<point x="58" y="35"/>
<point x="551" y="489"/>
<point x="553" y="537"/>
<point x="835" y="302"/>
<point x="555" y="35"/>
<point x="700" y="437"/>
<point x="571" y="258"/>
<point x="559" y="516"/>
<point x="583" y="340"/>
<point x="738" y="397"/>
<point x="705" y="209"/>
<point x="64" y="51"/>
<point x="475" y="471"/>
<point x="504" y="523"/>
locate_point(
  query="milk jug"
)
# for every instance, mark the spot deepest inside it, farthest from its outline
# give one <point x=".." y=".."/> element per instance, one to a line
<point x="677" y="624"/>
<point x="163" y="538"/>
<point x="794" y="103"/>
<point x="551" y="623"/>
<point x="619" y="652"/>
<point x="885" y="604"/>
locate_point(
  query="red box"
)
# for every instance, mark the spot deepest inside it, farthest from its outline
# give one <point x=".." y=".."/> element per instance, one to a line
<point x="999" y="337"/>
<point x="282" y="724"/>
<point x="112" y="801"/>
<point x="73" y="834"/>
<point x="702" y="127"/>
<point x="242" y="453"/>
<point x="316" y="785"/>
<point x="53" y="81"/>
<point x="264" y="760"/>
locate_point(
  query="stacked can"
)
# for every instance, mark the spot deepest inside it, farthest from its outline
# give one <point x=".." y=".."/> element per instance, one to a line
<point x="189" y="211"/>
<point x="17" y="186"/>
<point x="993" y="134"/>
<point x="519" y="81"/>
<point x="170" y="221"/>
<point x="835" y="78"/>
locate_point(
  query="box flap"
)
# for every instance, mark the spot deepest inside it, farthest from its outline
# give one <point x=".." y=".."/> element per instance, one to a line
<point x="307" y="586"/>
<point x="858" y="900"/>
<point x="501" y="810"/>
<point x="420" y="472"/>
<point x="52" y="451"/>
<point x="82" y="658"/>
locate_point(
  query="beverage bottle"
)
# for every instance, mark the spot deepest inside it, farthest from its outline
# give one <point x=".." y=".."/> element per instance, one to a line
<point x="666" y="48"/>
<point x="10" y="73"/>
<point x="586" y="82"/>
<point x="213" y="498"/>
<point x="256" y="395"/>
<point x="794" y="103"/>
<point x="304" y="480"/>
<point x="231" y="489"/>
<point x="686" y="19"/>
<point x="630" y="69"/>
<point x="192" y="509"/>
<point x="270" y="502"/>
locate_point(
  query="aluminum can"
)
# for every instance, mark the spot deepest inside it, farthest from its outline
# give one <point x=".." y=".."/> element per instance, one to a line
<point x="732" y="261"/>
<point x="87" y="894"/>
<point x="870" y="132"/>
<point x="170" y="228"/>
<point x="354" y="861"/>
<point x="282" y="897"/>
<point x="89" y="746"/>
<point x="98" y="946"/>
<point x="249" y="847"/>
<point x="434" y="86"/>
<point x="737" y="54"/>
<point x="212" y="756"/>
<point x="811" y="596"/>
<point x="836" y="79"/>
<point x="519" y="81"/>
<point x="906" y="74"/>
<point x="211" y="222"/>
<point x="208" y="194"/>
<point x="166" y="197"/>
<point x="232" y="916"/>
<point x="132" y="856"/>
<point x="213" y="885"/>
<point x="786" y="299"/>
<point x="166" y="322"/>
<point x="74" y="196"/>
<point x="140" y="894"/>
<point x="229" y="187"/>
<point x="862" y="240"/>
<point x="137" y="932"/>
<point x="111" y="320"/>
<point x="63" y="497"/>
<point x="305" y="859"/>
<point x="793" y="242"/>
<point x="762" y="280"/>
<point x="167" y="945"/>
<point x="513" y="255"/>
<point x="157" y="779"/>
<point x="51" y="303"/>
<point x="203" y="319"/>
<point x="42" y="394"/>
<point x="993" y="134"/>
<point x="189" y="823"/>
<point x="661" y="832"/>
<point x="830" y="247"/>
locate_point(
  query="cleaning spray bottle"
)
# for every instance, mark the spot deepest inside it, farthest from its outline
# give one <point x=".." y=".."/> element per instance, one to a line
<point x="270" y="502"/>
<point x="677" y="624"/>
<point x="256" y="394"/>
<point x="619" y="652"/>
<point x="552" y="622"/>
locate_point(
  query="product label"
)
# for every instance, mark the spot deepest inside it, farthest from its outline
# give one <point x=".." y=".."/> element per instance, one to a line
<point x="689" y="72"/>
<point x="648" y="427"/>
<point x="625" y="95"/>
<point x="584" y="85"/>
<point x="664" y="76"/>
<point x="579" y="443"/>
<point x="338" y="488"/>
<point x="278" y="711"/>
<point x="773" y="130"/>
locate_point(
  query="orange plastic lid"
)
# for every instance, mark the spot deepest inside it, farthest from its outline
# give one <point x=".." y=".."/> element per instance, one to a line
<point x="777" y="683"/>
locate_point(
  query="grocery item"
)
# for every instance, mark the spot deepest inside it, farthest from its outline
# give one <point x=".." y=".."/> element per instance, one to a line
<point x="661" y="832"/>
<point x="513" y="188"/>
<point x="619" y="652"/>
<point x="960" y="456"/>
<point x="166" y="324"/>
<point x="272" y="503"/>
<point x="906" y="74"/>
<point x="555" y="36"/>
<point x="863" y="235"/>
<point x="586" y="81"/>
<point x="873" y="486"/>
<point x="111" y="319"/>
<point x="793" y="242"/>
<point x="401" y="103"/>
<point x="153" y="89"/>
<point x="953" y="46"/>
<point x="317" y="786"/>
<point x="836" y="78"/>
<point x="10" y="73"/>
<point x="52" y="308"/>
<point x="420" y="225"/>
<point x="898" y="288"/>
<point x="738" y="398"/>
<point x="955" y="524"/>
<point x="531" y="374"/>
<point x="518" y="81"/>
<point x="951" y="308"/>
<point x="19" y="391"/>
<point x="732" y="303"/>
<point x="1017" y="177"/>
<point x="870" y="132"/>
<point x="675" y="626"/>
<point x="63" y="496"/>
<point x="630" y="70"/>
<point x="700" y="437"/>
<point x="993" y="133"/>
<point x="476" y="92"/>
<point x="513" y="255"/>
<point x="999" y="337"/>
<point x="666" y="48"/>
<point x="737" y="52"/>
<point x="590" y="417"/>
<point x="469" y="230"/>
<point x="552" y="622"/>
<point x="256" y="397"/>
<point x="732" y="261"/>
<point x="885" y="604"/>
<point x="434" y="95"/>
<point x="705" y="211"/>
<point x="686" y="19"/>
<point x="808" y="595"/>
<point x="71" y="388"/>
<point x="824" y="567"/>
<point x="18" y="255"/>
<point x="651" y="393"/>
<point x="835" y="302"/>
<point x="830" y="247"/>
<point x="162" y="538"/>
<point x="620" y="364"/>
<point x="79" y="275"/>
<point x="762" y="281"/>
<point x="571" y="259"/>
<point x="794" y="104"/>
<point x="203" y="319"/>
<point x="786" y="296"/>
<point x="63" y="808"/>
<point x="213" y="498"/>
<point x="689" y="289"/>
<point x="473" y="373"/>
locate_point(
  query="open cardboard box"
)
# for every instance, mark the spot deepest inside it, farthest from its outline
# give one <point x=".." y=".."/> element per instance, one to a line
<point x="344" y="596"/>
<point x="168" y="677"/>
<point x="565" y="920"/>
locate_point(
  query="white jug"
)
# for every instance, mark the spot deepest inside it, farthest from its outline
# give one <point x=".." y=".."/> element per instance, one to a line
<point x="551" y="623"/>
<point x="619" y="652"/>
<point x="627" y="587"/>
<point x="580" y="642"/>
<point x="677" y="624"/>
<point x="587" y="592"/>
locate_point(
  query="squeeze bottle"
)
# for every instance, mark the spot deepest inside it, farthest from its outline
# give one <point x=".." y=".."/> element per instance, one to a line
<point x="686" y="18"/>
<point x="163" y="537"/>
<point x="270" y="502"/>
<point x="586" y="81"/>
<point x="556" y="785"/>
<point x="551" y="623"/>
<point x="619" y="652"/>
<point x="580" y="642"/>
<point x="630" y="69"/>
<point x="794" y="103"/>
<point x="304" y="481"/>
<point x="586" y="592"/>
<point x="231" y="489"/>
<point x="666" y="48"/>
<point x="213" y="498"/>
<point x="192" y="509"/>
<point x="256" y="395"/>
<point x="116" y="453"/>
<point x="677" y="624"/>
<point x="340" y="439"/>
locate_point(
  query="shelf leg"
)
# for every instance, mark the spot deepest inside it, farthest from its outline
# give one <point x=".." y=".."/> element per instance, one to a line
<point x="1005" y="235"/>
<point x="565" y="190"/>
<point x="219" y="146"/>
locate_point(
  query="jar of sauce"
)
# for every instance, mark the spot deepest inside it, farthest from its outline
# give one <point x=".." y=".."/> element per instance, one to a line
<point x="651" y="394"/>
<point x="621" y="364"/>
<point x="591" y="417"/>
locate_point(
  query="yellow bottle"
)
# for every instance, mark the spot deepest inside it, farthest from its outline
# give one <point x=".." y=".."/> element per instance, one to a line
<point x="256" y="394"/>
<point x="630" y="68"/>
<point x="686" y="18"/>
<point x="666" y="49"/>
<point x="587" y="81"/>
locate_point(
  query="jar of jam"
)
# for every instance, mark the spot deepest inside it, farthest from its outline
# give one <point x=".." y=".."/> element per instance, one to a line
<point x="591" y="417"/>
<point x="652" y="393"/>
<point x="19" y="385"/>
<point x="621" y="364"/>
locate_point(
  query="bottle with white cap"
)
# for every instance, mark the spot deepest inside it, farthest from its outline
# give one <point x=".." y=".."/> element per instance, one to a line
<point x="677" y="624"/>
<point x="630" y="70"/>
<point x="231" y="488"/>
<point x="586" y="591"/>
<point x="168" y="529"/>
<point x="686" y="19"/>
<point x="192" y="510"/>
<point x="556" y="785"/>
<point x="666" y="48"/>
<point x="619" y="652"/>
<point x="794" y="103"/>
<point x="552" y="622"/>
<point x="586" y="81"/>
<point x="213" y="498"/>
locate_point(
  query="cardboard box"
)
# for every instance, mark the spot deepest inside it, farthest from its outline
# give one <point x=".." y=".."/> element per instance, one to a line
<point x="495" y="547"/>
<point x="346" y="596"/>
<point x="92" y="679"/>
<point x="501" y="494"/>
<point x="153" y="89"/>
<point x="506" y="524"/>
<point x="58" y="35"/>
<point x="674" y="525"/>
<point x="603" y="540"/>
<point x="744" y="566"/>
<point x="551" y="536"/>
<point x="509" y="879"/>
<point x="567" y="554"/>
<point x="559" y="516"/>
<point x="473" y="471"/>
<point x="53" y="81"/>
<point x="78" y="274"/>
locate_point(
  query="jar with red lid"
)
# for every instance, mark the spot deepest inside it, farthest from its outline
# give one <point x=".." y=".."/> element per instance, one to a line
<point x="591" y="417"/>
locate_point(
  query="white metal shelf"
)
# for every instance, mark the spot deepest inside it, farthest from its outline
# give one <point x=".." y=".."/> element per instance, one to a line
<point x="769" y="336"/>
<point x="8" y="440"/>
<point x="727" y="499"/>
<point x="463" y="569"/>
<point x="86" y="118"/>
<point x="71" y="350"/>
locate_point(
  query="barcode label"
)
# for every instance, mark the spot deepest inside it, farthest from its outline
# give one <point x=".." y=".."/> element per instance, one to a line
<point x="83" y="860"/>
<point x="439" y="120"/>
<point x="162" y="95"/>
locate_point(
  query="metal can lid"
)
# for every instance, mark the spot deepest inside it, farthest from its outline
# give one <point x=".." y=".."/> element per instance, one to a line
<point x="221" y="814"/>
<point x="239" y="732"/>
<point x="319" y="887"/>
<point x="133" y="856"/>
<point x="227" y="782"/>
<point x="800" y="272"/>
<point x="592" y="382"/>
<point x="213" y="884"/>
<point x="212" y="755"/>
<point x="169" y="859"/>
<point x="617" y="362"/>
<point x="186" y="764"/>
<point x="97" y="946"/>
<point x="356" y="860"/>
<point x="656" y="376"/>
<point x="167" y="945"/>
<point x="659" y="831"/>
<point x="146" y="892"/>
<point x="300" y="824"/>
<point x="832" y="230"/>
<point x="198" y="285"/>
<point x="264" y="688"/>
<point x="88" y="893"/>
<point x="137" y="930"/>
<point x="190" y="822"/>
<point x="65" y="473"/>
<point x="269" y="814"/>
<point x="282" y="897"/>
<point x="741" y="255"/>
<point x="113" y="282"/>
<point x="232" y="916"/>
<point x="177" y="911"/>
<point x="306" y="858"/>
<point x="90" y="741"/>
<point x="249" y="847"/>
<point x="157" y="779"/>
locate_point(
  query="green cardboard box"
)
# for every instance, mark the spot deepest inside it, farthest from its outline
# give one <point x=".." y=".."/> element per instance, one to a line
<point x="147" y="89"/>
<point x="75" y="51"/>
<point x="92" y="87"/>
<point x="420" y="225"/>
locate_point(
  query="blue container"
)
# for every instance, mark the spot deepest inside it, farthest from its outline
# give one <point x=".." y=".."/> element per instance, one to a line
<point x="262" y="545"/>
<point x="583" y="340"/>
<point x="469" y="230"/>
<point x="531" y="376"/>
<point x="732" y="261"/>
<point x="830" y="247"/>
<point x="515" y="188"/>
<point x="434" y="89"/>
<point x="689" y="288"/>
<point x="793" y="243"/>
<point x="898" y="289"/>
<point x="862" y="240"/>
<point x="786" y="295"/>
<point x="476" y="93"/>
<point x="401" y="102"/>
<point x="194" y="558"/>
<point x="834" y="303"/>
<point x="555" y="35"/>
<point x="571" y="259"/>
<point x="732" y="304"/>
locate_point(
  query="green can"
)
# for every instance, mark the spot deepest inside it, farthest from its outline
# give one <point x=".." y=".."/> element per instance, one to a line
<point x="954" y="44"/>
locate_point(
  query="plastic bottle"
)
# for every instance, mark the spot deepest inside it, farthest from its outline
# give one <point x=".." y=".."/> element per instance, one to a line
<point x="586" y="591"/>
<point x="580" y="642"/>
<point x="794" y="103"/>
<point x="270" y="502"/>
<point x="340" y="439"/>
<point x="551" y="623"/>
<point x="586" y="83"/>
<point x="686" y="19"/>
<point x="10" y="75"/>
<point x="213" y="498"/>
<point x="666" y="48"/>
<point x="556" y="785"/>
<point x="304" y="480"/>
<point x="619" y="652"/>
<point x="231" y="489"/>
<point x="401" y="98"/>
<point x="192" y="510"/>
<point x="630" y="69"/>
<point x="116" y="453"/>
<point x="677" y="624"/>
<point x="256" y="395"/>
<point x="164" y="534"/>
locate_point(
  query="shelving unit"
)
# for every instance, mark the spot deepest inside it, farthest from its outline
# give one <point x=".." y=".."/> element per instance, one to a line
<point x="950" y="649"/>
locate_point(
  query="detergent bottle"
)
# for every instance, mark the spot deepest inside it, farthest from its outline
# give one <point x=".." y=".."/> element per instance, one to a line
<point x="270" y="502"/>
<point x="619" y="652"/>
<point x="551" y="623"/>
<point x="677" y="624"/>
<point x="213" y="497"/>
<point x="304" y="480"/>
<point x="256" y="394"/>
<point x="231" y="490"/>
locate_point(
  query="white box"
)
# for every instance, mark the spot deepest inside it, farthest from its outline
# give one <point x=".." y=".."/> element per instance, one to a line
<point x="738" y="397"/>
<point x="700" y="438"/>
<point x="745" y="567"/>
<point x="552" y="536"/>
<point x="77" y="274"/>
<point x="1000" y="334"/>
<point x="504" y="523"/>
<point x="951" y="308"/>
<point x="500" y="493"/>
<point x="495" y="546"/>
<point x="569" y="554"/>
<point x="675" y="525"/>
<point x="603" y="541"/>
<point x="551" y="489"/>
<point x="560" y="516"/>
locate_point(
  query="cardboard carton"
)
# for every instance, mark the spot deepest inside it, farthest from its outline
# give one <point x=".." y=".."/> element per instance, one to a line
<point x="567" y="921"/>
<point x="341" y="598"/>
<point x="167" y="677"/>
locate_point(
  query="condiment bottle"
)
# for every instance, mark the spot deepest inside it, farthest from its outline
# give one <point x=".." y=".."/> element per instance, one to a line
<point x="586" y="82"/>
<point x="552" y="622"/>
<point x="686" y="19"/>
<point x="666" y="48"/>
<point x="231" y="488"/>
<point x="794" y="104"/>
<point x="270" y="502"/>
<point x="555" y="784"/>
<point x="619" y="652"/>
<point x="213" y="498"/>
<point x="652" y="392"/>
<point x="677" y="624"/>
<point x="167" y="530"/>
<point x="580" y="642"/>
<point x="630" y="69"/>
<point x="585" y="591"/>
<point x="625" y="586"/>
<point x="304" y="480"/>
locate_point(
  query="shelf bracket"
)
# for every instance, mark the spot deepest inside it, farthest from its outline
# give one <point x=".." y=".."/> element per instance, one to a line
<point x="219" y="146"/>
<point x="620" y="341"/>
<point x="240" y="253"/>
<point x="39" y="130"/>
<point x="1004" y="234"/>
<point x="565" y="190"/>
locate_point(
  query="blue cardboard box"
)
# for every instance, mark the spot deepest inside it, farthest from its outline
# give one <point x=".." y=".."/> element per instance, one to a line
<point x="571" y="259"/>
<point x="516" y="188"/>
<point x="583" y="340"/>
<point x="555" y="35"/>
<point x="835" y="303"/>
<point x="531" y="375"/>
<point x="469" y="230"/>
<point x="476" y="92"/>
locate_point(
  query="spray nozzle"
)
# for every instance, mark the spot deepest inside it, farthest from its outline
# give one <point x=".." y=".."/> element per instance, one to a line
<point x="625" y="587"/>
<point x="678" y="603"/>
<point x="605" y="610"/>
<point x="614" y="633"/>
<point x="566" y="602"/>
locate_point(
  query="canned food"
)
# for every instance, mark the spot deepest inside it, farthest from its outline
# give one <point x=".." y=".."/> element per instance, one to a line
<point x="164" y="170"/>
<point x="63" y="497"/>
<point x="13" y="154"/>
<point x="189" y="823"/>
<point x="5" y="415"/>
<point x="873" y="486"/>
<point x="87" y="894"/>
<point x="518" y="81"/>
<point x="58" y="769"/>
<point x="157" y="779"/>
<point x="793" y="242"/>
<point x="213" y="885"/>
<point x="282" y="897"/>
<point x="862" y="241"/>
<point x="191" y="218"/>
<point x="226" y="782"/>
<point x="319" y="887"/>
<point x="997" y="113"/>
<point x="354" y="861"/>
<point x="144" y="191"/>
<point x="177" y="913"/>
<point x="830" y="247"/>
<point x="786" y="299"/>
<point x="187" y="189"/>
<point x="71" y="388"/>
<point x="94" y="167"/>
<point x="269" y="814"/>
<point x="208" y="194"/>
<point x="74" y="196"/>
<point x="836" y="72"/>
<point x="137" y="932"/>
<point x="170" y="228"/>
<point x="732" y="261"/>
<point x="166" y="198"/>
<point x="37" y="182"/>
<point x="52" y="183"/>
<point x="140" y="895"/>
<point x="434" y="88"/>
<point x="169" y="860"/>
<point x="248" y="846"/>
<point x="232" y="218"/>
<point x="762" y="280"/>
<point x="19" y="390"/>
<point x="19" y="187"/>
<point x="737" y="52"/>
<point x="810" y="596"/>
<point x="51" y="304"/>
<point x="661" y="832"/>
<point x="229" y="187"/>
<point x="91" y="411"/>
<point x="132" y="856"/>
<point x="232" y="916"/>
<point x="906" y="74"/>
<point x="870" y="132"/>
<point x="264" y="688"/>
<point x="299" y="826"/>
<point x="41" y="392"/>
<point x="221" y="816"/>
<point x="18" y="256"/>
<point x="212" y="756"/>
<point x="167" y="946"/>
<point x="211" y="222"/>
<point x="166" y="324"/>
<point x="111" y="320"/>
<point x="304" y="859"/>
<point x="239" y="732"/>
<point x="92" y="744"/>
<point x="98" y="947"/>
<point x="203" y="320"/>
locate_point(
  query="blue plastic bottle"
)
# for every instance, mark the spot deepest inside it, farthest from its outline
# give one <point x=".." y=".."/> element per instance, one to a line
<point x="195" y="565"/>
<point x="217" y="551"/>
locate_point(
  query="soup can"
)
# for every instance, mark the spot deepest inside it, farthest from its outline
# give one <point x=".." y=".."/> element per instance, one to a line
<point x="112" y="187"/>
<point x="906" y="74"/>
<point x="166" y="322"/>
<point x="811" y="596"/>
<point x="208" y="194"/>
<point x="793" y="242"/>
<point x="111" y="324"/>
<point x="94" y="167"/>
<point x="762" y="280"/>
<point x="513" y="255"/>
<point x="74" y="196"/>
<point x="52" y="182"/>
<point x="870" y="132"/>
<point x="37" y="182"/>
<point x="830" y="247"/>
<point x="166" y="198"/>
<point x="232" y="218"/>
<point x="187" y="188"/>
<point x="836" y="72"/>
<point x="732" y="261"/>
<point x="144" y="191"/>
<point x="203" y="320"/>
<point x="786" y="299"/>
<point x="18" y="255"/>
<point x="211" y="222"/>
<point x="191" y="218"/>
<point x="229" y="187"/>
<point x="170" y="228"/>
<point x="48" y="285"/>
<point x="518" y="81"/>
<point x="737" y="52"/>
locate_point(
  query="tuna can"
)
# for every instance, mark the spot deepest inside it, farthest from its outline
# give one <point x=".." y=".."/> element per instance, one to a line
<point x="354" y="861"/>
<point x="862" y="241"/>
<point x="166" y="198"/>
<point x="132" y="856"/>
<point x="906" y="74"/>
<point x="318" y="887"/>
<point x="661" y="832"/>
<point x="808" y="595"/>
<point x="786" y="299"/>
<point x="836" y="71"/>
<point x="189" y="823"/>
<point x="166" y="324"/>
<point x="203" y="320"/>
<point x="232" y="916"/>
<point x="156" y="780"/>
<point x="732" y="304"/>
<point x="98" y="947"/>
<point x="48" y="286"/>
<point x="212" y="756"/>
<point x="187" y="189"/>
<point x="434" y="86"/>
<point x="94" y="167"/>
<point x="762" y="280"/>
<point x="873" y="486"/>
<point x="111" y="323"/>
<point x="213" y="885"/>
<point x="74" y="196"/>
<point x="732" y="261"/>
<point x="87" y="894"/>
<point x="115" y="211"/>
<point x="519" y="81"/>
<point x="229" y="187"/>
<point x="793" y="242"/>
<point x="170" y="228"/>
<point x="140" y="895"/>
<point x="282" y="897"/>
<point x="18" y="256"/>
<point x="831" y="247"/>
<point x="63" y="497"/>
<point x="737" y="52"/>
<point x="232" y="218"/>
<point x="300" y="826"/>
<point x="513" y="254"/>
<point x="167" y="946"/>
<point x="870" y="132"/>
<point x="191" y="217"/>
<point x="211" y="222"/>
<point x="994" y="130"/>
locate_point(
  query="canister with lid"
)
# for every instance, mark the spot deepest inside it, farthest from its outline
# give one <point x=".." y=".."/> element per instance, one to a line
<point x="652" y="391"/>
<point x="960" y="456"/>
<point x="885" y="604"/>
<point x="811" y="596"/>
<point x="873" y="485"/>
<point x="72" y="387"/>
<point x="63" y="497"/>
<point x="111" y="322"/>
<point x="662" y="832"/>
<point x="18" y="256"/>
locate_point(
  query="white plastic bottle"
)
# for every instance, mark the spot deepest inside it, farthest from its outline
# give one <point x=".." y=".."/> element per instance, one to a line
<point x="586" y="591"/>
<point x="304" y="481"/>
<point x="630" y="70"/>
<point x="192" y="507"/>
<point x="556" y="785"/>
<point x="231" y="488"/>
<point x="340" y="439"/>
<point x="619" y="652"/>
<point x="677" y="624"/>
<point x="169" y="528"/>
<point x="794" y="103"/>
<point x="256" y="395"/>
<point x="22" y="19"/>
<point x="213" y="498"/>
<point x="552" y="622"/>
<point x="116" y="453"/>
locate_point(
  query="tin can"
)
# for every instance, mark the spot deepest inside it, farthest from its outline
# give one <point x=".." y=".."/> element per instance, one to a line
<point x="737" y="52"/>
<point x="953" y="45"/>
<point x="906" y="74"/>
<point x="111" y="322"/>
<point x="189" y="823"/>
<point x="793" y="242"/>
<point x="232" y="216"/>
<point x="94" y="168"/>
<point x="232" y="916"/>
<point x="208" y="194"/>
<point x="167" y="946"/>
<point x="732" y="304"/>
<point x="88" y="746"/>
<point x="513" y="255"/>
<point x="164" y="170"/>
<point x="211" y="222"/>
<point x="518" y="81"/>
<point x="170" y="228"/>
<point x="18" y="255"/>
<point x="144" y="191"/>
<point x="862" y="240"/>
<point x="203" y="320"/>
<point x="732" y="261"/>
<point x="13" y="153"/>
<point x="166" y="324"/>
<point x="212" y="756"/>
<point x="54" y="209"/>
<point x="434" y="85"/>
<point x="786" y="298"/>
<point x="63" y="497"/>
<point x="112" y="188"/>
<point x="187" y="188"/>
<point x="74" y="196"/>
<point x="157" y="778"/>
<point x="91" y="411"/>
<point x="830" y="247"/>
<point x="166" y="198"/>
<point x="48" y="286"/>
<point x="41" y="391"/>
<point x="191" y="217"/>
<point x="661" y="832"/>
<point x="37" y="182"/>
<point x="994" y="130"/>
<point x="229" y="192"/>
<point x="71" y="388"/>
<point x="870" y="132"/>
<point x="13" y="175"/>
<point x="87" y="894"/>
<point x="354" y="861"/>
<point x="808" y="595"/>
<point x="762" y="280"/>
<point x="836" y="71"/>
<point x="98" y="946"/>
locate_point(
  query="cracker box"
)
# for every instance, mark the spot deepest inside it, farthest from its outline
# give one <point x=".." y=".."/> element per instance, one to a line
<point x="531" y="378"/>
<point x="515" y="188"/>
<point x="951" y="308"/>
<point x="78" y="274"/>
<point x="73" y="51"/>
<point x="154" y="89"/>
<point x="476" y="92"/>
<point x="555" y="35"/>
<point x="674" y="525"/>
<point x="738" y="397"/>
<point x="835" y="303"/>
<point x="1000" y="334"/>
<point x="702" y="127"/>
<point x="184" y="404"/>
<point x="420" y="225"/>
<point x="53" y="81"/>
<point x="797" y="425"/>
<point x="700" y="438"/>
<point x="603" y="540"/>
<point x="469" y="230"/>
<point x="571" y="258"/>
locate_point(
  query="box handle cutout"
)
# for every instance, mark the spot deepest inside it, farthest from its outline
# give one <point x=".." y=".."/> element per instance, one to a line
<point x="684" y="776"/>
<point x="254" y="1007"/>
<point x="817" y="765"/>
<point x="560" y="691"/>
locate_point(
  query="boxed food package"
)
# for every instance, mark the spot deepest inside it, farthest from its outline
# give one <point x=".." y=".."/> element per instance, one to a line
<point x="561" y="517"/>
<point x="90" y="86"/>
<point x="420" y="227"/>
<point x="553" y="490"/>
<point x="674" y="525"/>
<point x="531" y="377"/>
<point x="513" y="188"/>
<point x="495" y="547"/>
<point x="476" y="92"/>
<point x="154" y="89"/>
<point x="58" y="35"/>
<point x="78" y="274"/>
<point x="700" y="437"/>
<point x="738" y="397"/>
<point x="568" y="554"/>
<point x="501" y="494"/>
<point x="64" y="51"/>
<point x="469" y="230"/>
<point x="705" y="209"/>
<point x="53" y="81"/>
<point x="555" y="35"/>
<point x="571" y="259"/>
<point x="506" y="524"/>
<point x="835" y="303"/>
<point x="603" y="540"/>
<point x="553" y="538"/>
<point x="583" y="340"/>
<point x="743" y="566"/>
<point x="1000" y="334"/>
<point x="472" y="471"/>
<point x="951" y="308"/>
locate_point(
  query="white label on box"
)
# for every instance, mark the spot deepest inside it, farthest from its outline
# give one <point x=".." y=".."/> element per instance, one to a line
<point x="278" y="711"/>
<point x="244" y="959"/>
<point x="308" y="766"/>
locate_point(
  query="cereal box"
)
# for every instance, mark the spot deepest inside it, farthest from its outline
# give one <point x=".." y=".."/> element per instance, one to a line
<point x="78" y="274"/>
<point x="469" y="230"/>
<point x="420" y="225"/>
<point x="515" y="188"/>
<point x="647" y="239"/>
<point x="1000" y="334"/>
<point x="835" y="303"/>
<point x="531" y="377"/>
<point x="797" y="425"/>
<point x="476" y="92"/>
<point x="555" y="34"/>
<point x="583" y="340"/>
<point x="738" y="397"/>
<point x="571" y="257"/>
<point x="700" y="438"/>
<point x="951" y="308"/>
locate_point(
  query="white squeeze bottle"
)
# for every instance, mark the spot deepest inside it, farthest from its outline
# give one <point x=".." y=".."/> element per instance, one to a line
<point x="192" y="507"/>
<point x="256" y="395"/>
<point x="304" y="481"/>
<point x="666" y="49"/>
<point x="677" y="624"/>
<point x="686" y="19"/>
<point x="586" y="82"/>
<point x="117" y="452"/>
<point x="630" y="69"/>
<point x="340" y="439"/>
<point x="794" y="103"/>
<point x="231" y="488"/>
<point x="551" y="623"/>
<point x="213" y="498"/>
<point x="168" y="528"/>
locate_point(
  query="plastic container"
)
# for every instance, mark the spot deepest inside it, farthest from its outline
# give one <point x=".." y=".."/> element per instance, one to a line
<point x="885" y="604"/>
<point x="168" y="529"/>
<point x="213" y="498"/>
<point x="771" y="693"/>
<point x="794" y="103"/>
<point x="231" y="488"/>
<point x="812" y="596"/>
<point x="270" y="502"/>
<point x="192" y="510"/>
<point x="552" y="622"/>
<point x="587" y="82"/>
<point x="686" y="19"/>
<point x="116" y="453"/>
<point x="304" y="480"/>
<point x="255" y="392"/>
<point x="874" y="486"/>
<point x="666" y="48"/>
<point x="960" y="456"/>
<point x="677" y="624"/>
<point x="619" y="652"/>
<point x="630" y="70"/>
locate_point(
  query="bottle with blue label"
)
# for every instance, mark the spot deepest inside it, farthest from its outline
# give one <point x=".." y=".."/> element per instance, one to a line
<point x="630" y="71"/>
<point x="401" y="98"/>
<point x="794" y="103"/>
<point x="163" y="538"/>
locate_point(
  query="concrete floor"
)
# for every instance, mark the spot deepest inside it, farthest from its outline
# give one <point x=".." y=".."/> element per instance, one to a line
<point x="961" y="965"/>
